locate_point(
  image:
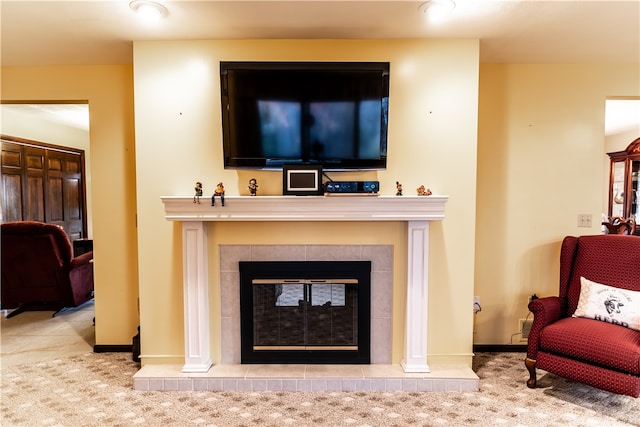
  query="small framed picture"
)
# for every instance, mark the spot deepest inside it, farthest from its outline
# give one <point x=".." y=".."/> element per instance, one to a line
<point x="302" y="180"/>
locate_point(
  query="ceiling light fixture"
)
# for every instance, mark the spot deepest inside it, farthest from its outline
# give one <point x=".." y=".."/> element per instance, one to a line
<point x="149" y="10"/>
<point x="436" y="10"/>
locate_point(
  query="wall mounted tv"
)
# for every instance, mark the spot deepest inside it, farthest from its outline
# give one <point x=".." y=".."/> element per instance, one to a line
<point x="334" y="114"/>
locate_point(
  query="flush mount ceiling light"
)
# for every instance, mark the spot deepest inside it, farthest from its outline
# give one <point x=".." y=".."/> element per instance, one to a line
<point x="436" y="10"/>
<point x="148" y="9"/>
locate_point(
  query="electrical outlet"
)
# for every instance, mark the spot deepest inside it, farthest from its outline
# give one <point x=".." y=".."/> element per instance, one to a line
<point x="525" y="328"/>
<point x="476" y="304"/>
<point x="584" y="220"/>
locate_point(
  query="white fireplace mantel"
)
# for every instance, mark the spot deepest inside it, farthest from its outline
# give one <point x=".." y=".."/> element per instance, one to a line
<point x="417" y="211"/>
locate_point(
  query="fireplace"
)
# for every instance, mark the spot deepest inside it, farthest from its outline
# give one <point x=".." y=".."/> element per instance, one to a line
<point x="412" y="375"/>
<point x="197" y="373"/>
<point x="305" y="312"/>
<point x="416" y="212"/>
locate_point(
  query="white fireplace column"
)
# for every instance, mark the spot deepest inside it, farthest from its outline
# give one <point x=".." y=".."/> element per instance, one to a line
<point x="196" y="297"/>
<point x="415" y="340"/>
<point x="415" y="210"/>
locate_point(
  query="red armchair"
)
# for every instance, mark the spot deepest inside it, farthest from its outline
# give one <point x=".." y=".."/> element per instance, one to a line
<point x="39" y="271"/>
<point x="599" y="353"/>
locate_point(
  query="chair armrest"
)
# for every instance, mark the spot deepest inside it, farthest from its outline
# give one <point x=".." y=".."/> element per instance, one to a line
<point x="81" y="260"/>
<point x="545" y="311"/>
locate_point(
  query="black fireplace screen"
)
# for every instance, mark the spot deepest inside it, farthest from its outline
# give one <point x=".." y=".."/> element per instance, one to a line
<point x="305" y="312"/>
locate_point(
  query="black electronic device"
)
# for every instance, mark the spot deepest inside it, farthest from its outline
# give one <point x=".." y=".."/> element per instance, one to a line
<point x="352" y="187"/>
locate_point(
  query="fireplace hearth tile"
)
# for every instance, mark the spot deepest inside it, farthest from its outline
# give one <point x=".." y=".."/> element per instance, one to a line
<point x="232" y="371"/>
<point x="156" y="384"/>
<point x="214" y="384"/>
<point x="363" y="385"/>
<point x="439" y="385"/>
<point x="252" y="385"/>
<point x="334" y="371"/>
<point x="349" y="385"/>
<point x="319" y="385"/>
<point x="289" y="385"/>
<point x="304" y="385"/>
<point x="271" y="371"/>
<point x="312" y="378"/>
<point x="334" y="384"/>
<point x="185" y="384"/>
<point x="170" y="384"/>
<point x="274" y="384"/>
<point x="393" y="384"/>
<point x="388" y="371"/>
<point x="410" y="384"/>
<point x="424" y="385"/>
<point x="200" y="384"/>
<point x="378" y="384"/>
<point x="230" y="384"/>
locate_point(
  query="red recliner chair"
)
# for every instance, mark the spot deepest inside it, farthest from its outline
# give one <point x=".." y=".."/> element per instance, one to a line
<point x="39" y="271"/>
<point x="601" y="350"/>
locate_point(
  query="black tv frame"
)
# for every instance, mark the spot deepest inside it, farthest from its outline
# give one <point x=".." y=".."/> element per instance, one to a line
<point x="263" y="163"/>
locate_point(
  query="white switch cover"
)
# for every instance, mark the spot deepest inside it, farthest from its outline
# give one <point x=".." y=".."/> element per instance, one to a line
<point x="584" y="220"/>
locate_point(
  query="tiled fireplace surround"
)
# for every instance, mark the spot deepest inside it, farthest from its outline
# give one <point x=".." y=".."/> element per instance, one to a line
<point x="414" y="374"/>
<point x="381" y="257"/>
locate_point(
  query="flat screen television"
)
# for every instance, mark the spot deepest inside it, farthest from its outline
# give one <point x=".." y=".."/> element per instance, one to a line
<point x="334" y="114"/>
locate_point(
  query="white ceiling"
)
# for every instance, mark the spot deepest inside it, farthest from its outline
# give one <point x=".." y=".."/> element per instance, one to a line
<point x="77" y="32"/>
<point x="74" y="32"/>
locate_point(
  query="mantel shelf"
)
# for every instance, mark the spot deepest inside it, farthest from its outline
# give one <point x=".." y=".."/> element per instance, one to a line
<point x="306" y="208"/>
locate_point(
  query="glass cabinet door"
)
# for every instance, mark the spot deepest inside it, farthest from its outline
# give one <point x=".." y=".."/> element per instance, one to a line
<point x="617" y="189"/>
<point x="634" y="197"/>
<point x="624" y="184"/>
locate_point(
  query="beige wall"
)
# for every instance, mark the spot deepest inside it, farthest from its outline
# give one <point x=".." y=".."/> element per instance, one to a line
<point x="432" y="141"/>
<point x="541" y="151"/>
<point x="109" y="93"/>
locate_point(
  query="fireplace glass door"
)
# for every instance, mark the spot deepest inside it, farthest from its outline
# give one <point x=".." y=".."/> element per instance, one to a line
<point x="305" y="312"/>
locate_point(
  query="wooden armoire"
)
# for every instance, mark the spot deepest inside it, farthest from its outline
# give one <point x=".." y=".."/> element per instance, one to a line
<point x="44" y="182"/>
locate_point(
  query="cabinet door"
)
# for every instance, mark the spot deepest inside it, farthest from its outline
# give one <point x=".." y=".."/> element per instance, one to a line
<point x="12" y="166"/>
<point x="617" y="190"/>
<point x="634" y="192"/>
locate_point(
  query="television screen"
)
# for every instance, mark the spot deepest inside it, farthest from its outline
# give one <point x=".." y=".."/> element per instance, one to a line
<point x="332" y="114"/>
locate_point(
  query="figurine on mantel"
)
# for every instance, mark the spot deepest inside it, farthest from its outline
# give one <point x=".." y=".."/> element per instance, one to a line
<point x="253" y="187"/>
<point x="422" y="191"/>
<point x="398" y="189"/>
<point x="198" y="188"/>
<point x="219" y="191"/>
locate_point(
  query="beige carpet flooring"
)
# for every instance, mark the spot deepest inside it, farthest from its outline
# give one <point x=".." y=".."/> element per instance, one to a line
<point x="96" y="390"/>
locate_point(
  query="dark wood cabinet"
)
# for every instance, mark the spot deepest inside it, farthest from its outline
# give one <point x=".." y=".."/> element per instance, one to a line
<point x="43" y="182"/>
<point x="624" y="192"/>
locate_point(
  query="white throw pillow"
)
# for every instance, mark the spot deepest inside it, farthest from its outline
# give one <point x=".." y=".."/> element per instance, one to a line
<point x="609" y="304"/>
